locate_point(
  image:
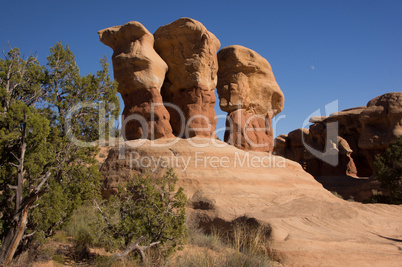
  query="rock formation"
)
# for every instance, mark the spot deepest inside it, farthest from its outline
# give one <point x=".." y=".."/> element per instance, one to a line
<point x="309" y="226"/>
<point x="350" y="129"/>
<point x="381" y="124"/>
<point x="189" y="50"/>
<point x="291" y="146"/>
<point x="249" y="93"/>
<point x="362" y="133"/>
<point x="140" y="72"/>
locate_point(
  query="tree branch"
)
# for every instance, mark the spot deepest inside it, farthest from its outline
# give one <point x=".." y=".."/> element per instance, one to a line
<point x="12" y="164"/>
<point x="135" y="247"/>
<point x="103" y="215"/>
<point x="36" y="192"/>
<point x="17" y="158"/>
<point x="29" y="235"/>
<point x="12" y="187"/>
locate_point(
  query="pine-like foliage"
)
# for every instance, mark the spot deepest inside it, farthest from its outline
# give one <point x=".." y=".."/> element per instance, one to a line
<point x="147" y="206"/>
<point x="44" y="176"/>
<point x="388" y="169"/>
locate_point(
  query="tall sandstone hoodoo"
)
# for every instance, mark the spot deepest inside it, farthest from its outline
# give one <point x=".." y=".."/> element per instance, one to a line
<point x="140" y="72"/>
<point x="249" y="93"/>
<point x="189" y="50"/>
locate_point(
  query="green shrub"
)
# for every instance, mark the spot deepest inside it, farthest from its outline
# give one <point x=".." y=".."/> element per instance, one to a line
<point x="147" y="206"/>
<point x="388" y="170"/>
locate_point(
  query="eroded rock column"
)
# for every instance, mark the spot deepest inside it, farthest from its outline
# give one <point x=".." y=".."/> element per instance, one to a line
<point x="189" y="50"/>
<point x="140" y="72"/>
<point x="248" y="91"/>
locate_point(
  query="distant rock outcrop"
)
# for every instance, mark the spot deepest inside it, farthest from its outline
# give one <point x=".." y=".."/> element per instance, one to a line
<point x="249" y="93"/>
<point x="381" y="124"/>
<point x="189" y="50"/>
<point x="140" y="72"/>
<point x="362" y="133"/>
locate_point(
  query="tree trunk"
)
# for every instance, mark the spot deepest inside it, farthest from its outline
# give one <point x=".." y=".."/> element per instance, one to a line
<point x="14" y="236"/>
<point x="20" y="221"/>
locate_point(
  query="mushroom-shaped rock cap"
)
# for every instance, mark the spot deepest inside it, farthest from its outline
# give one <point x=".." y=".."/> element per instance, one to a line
<point x="136" y="64"/>
<point x="189" y="49"/>
<point x="120" y="37"/>
<point x="246" y="81"/>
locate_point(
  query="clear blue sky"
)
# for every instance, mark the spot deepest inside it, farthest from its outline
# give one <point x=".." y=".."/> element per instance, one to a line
<point x="320" y="51"/>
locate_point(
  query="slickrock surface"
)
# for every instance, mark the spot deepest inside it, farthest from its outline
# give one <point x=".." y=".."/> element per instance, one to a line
<point x="310" y="226"/>
<point x="189" y="50"/>
<point x="249" y="93"/>
<point x="140" y="72"/>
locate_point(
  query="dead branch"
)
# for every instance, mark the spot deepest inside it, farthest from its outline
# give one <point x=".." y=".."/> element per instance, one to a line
<point x="135" y="247"/>
<point x="103" y="215"/>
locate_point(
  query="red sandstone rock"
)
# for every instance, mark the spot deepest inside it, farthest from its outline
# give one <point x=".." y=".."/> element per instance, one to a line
<point x="300" y="144"/>
<point x="189" y="49"/>
<point x="147" y="104"/>
<point x="140" y="72"/>
<point x="246" y="89"/>
<point x="249" y="131"/>
<point x="362" y="133"/>
<point x="381" y="124"/>
<point x="350" y="129"/>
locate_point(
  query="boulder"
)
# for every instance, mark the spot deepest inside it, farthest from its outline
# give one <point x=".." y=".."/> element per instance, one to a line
<point x="140" y="72"/>
<point x="189" y="50"/>
<point x="246" y="83"/>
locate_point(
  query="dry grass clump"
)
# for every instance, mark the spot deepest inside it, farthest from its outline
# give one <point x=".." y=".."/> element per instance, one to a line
<point x="244" y="243"/>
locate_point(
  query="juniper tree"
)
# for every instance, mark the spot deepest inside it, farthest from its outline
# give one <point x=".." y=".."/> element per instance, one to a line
<point x="44" y="176"/>
<point x="147" y="210"/>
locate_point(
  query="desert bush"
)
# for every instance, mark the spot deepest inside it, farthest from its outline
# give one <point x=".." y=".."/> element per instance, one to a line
<point x="81" y="229"/>
<point x="244" y="243"/>
<point x="197" y="237"/>
<point x="211" y="241"/>
<point x="248" y="236"/>
<point x="388" y="170"/>
<point x="147" y="206"/>
<point x="227" y="258"/>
